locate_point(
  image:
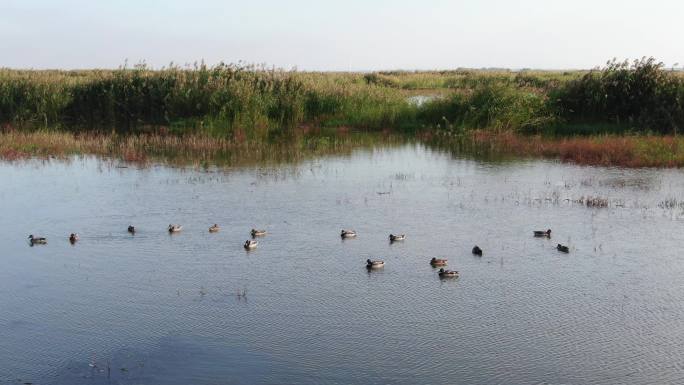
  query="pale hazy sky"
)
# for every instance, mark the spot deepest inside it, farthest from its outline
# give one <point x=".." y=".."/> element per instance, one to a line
<point x="339" y="35"/>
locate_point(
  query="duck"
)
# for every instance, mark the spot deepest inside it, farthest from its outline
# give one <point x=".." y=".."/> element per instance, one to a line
<point x="73" y="238"/>
<point x="251" y="244"/>
<point x="348" y="234"/>
<point x="131" y="229"/>
<point x="539" y="233"/>
<point x="175" y="228"/>
<point x="394" y="238"/>
<point x="215" y="228"/>
<point x="258" y="233"/>
<point x="375" y="264"/>
<point x="37" y="240"/>
<point x="477" y="250"/>
<point x="563" y="249"/>
<point x="438" y="262"/>
<point x="447" y="273"/>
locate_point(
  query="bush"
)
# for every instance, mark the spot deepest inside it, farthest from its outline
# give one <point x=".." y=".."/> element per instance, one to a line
<point x="642" y="95"/>
<point x="495" y="107"/>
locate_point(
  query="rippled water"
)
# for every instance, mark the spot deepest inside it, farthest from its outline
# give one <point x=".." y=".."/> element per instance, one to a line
<point x="157" y="308"/>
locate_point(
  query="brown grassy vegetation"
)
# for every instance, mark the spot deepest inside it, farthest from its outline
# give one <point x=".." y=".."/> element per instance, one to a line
<point x="603" y="150"/>
<point x="189" y="149"/>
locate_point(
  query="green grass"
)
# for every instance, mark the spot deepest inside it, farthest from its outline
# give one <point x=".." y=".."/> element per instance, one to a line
<point x="225" y="100"/>
<point x="248" y="103"/>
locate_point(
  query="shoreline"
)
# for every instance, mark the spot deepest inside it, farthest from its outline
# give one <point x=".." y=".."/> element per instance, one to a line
<point x="599" y="150"/>
<point x="199" y="150"/>
<point x="628" y="151"/>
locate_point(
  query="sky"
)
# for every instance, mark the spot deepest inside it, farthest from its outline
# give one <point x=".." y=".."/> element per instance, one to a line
<point x="333" y="35"/>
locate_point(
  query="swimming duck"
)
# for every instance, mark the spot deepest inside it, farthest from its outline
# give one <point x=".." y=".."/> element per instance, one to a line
<point x="131" y="229"/>
<point x="215" y="228"/>
<point x="447" y="273"/>
<point x="251" y="244"/>
<point x="37" y="240"/>
<point x="562" y="248"/>
<point x="438" y="262"/>
<point x="477" y="250"/>
<point x="73" y="238"/>
<point x="375" y="264"/>
<point x="175" y="228"/>
<point x="394" y="238"/>
<point x="348" y="234"/>
<point x="258" y="233"/>
<point x="546" y="233"/>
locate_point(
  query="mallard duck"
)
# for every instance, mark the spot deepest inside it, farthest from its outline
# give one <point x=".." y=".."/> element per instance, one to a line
<point x="131" y="229"/>
<point x="37" y="240"/>
<point x="73" y="238"/>
<point x="438" y="262"/>
<point x="448" y="273"/>
<point x="375" y="264"/>
<point x="175" y="228"/>
<point x="394" y="238"/>
<point x="563" y="249"/>
<point x="251" y="244"/>
<point x="215" y="228"/>
<point x="258" y="233"/>
<point x="477" y="250"/>
<point x="348" y="234"/>
<point x="539" y="233"/>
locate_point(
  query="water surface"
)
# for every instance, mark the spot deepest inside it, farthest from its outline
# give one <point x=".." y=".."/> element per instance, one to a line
<point x="157" y="308"/>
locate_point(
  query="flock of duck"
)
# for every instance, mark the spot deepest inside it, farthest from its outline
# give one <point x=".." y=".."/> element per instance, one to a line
<point x="434" y="262"/>
<point x="73" y="238"/>
<point x="370" y="263"/>
<point x="441" y="263"/>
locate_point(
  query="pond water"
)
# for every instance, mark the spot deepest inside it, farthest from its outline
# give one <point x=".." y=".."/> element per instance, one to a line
<point x="196" y="308"/>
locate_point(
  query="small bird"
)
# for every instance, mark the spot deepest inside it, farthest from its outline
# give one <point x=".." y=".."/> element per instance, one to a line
<point x="477" y="250"/>
<point x="563" y="249"/>
<point x="73" y="238"/>
<point x="438" y="262"/>
<point x="251" y="244"/>
<point x="131" y="229"/>
<point x="37" y="240"/>
<point x="395" y="238"/>
<point x="546" y="233"/>
<point x="175" y="228"/>
<point x="215" y="228"/>
<point x="447" y="273"/>
<point x="375" y="264"/>
<point x="348" y="233"/>
<point x="258" y="233"/>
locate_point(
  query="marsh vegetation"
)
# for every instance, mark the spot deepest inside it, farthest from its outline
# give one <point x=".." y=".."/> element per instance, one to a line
<point x="623" y="113"/>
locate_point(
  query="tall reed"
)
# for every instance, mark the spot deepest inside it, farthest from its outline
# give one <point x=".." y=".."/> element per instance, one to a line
<point x="259" y="103"/>
<point x="229" y="100"/>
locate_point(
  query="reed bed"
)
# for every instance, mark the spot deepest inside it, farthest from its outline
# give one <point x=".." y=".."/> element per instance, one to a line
<point x="211" y="112"/>
<point x="252" y="102"/>
<point x="225" y="100"/>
